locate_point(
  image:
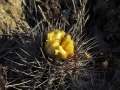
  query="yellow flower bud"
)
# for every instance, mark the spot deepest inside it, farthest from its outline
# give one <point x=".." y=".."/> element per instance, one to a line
<point x="59" y="45"/>
<point x="70" y="48"/>
<point x="62" y="52"/>
<point x="50" y="36"/>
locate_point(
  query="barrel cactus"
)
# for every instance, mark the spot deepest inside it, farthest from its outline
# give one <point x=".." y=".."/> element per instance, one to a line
<point x="54" y="54"/>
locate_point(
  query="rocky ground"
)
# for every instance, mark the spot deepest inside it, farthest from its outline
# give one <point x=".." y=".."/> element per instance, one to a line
<point x="16" y="16"/>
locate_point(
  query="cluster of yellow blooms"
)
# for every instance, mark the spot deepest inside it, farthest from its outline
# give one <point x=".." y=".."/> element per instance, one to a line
<point x="59" y="44"/>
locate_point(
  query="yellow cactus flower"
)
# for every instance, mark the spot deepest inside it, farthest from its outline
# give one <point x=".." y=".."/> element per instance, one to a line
<point x="56" y="43"/>
<point x="51" y="46"/>
<point x="59" y="34"/>
<point x="62" y="52"/>
<point x="69" y="48"/>
<point x="66" y="40"/>
<point x="50" y="36"/>
<point x="59" y="44"/>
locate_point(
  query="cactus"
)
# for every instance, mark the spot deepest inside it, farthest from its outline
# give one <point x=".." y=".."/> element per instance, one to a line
<point x="34" y="68"/>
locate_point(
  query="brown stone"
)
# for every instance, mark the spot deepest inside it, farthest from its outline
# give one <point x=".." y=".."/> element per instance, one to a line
<point x="11" y="12"/>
